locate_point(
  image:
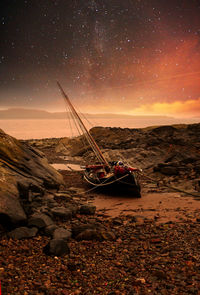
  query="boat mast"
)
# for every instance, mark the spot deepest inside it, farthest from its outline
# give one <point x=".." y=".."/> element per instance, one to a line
<point x="90" y="139"/>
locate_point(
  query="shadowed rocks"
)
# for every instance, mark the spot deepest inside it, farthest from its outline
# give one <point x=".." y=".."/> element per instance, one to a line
<point x="23" y="172"/>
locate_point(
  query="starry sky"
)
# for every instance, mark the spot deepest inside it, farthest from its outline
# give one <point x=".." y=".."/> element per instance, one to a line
<point x="133" y="56"/>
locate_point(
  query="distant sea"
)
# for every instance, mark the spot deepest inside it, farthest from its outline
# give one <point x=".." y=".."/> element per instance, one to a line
<point x="45" y="128"/>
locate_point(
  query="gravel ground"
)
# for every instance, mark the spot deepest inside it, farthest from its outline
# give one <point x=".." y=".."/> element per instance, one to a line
<point x="146" y="257"/>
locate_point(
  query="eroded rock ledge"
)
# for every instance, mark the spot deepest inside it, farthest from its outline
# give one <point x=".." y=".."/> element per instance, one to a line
<point x="24" y="171"/>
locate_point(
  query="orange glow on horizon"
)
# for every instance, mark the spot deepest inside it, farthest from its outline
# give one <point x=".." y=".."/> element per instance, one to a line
<point x="176" y="109"/>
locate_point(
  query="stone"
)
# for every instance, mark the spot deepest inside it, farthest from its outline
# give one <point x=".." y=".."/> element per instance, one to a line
<point x="11" y="209"/>
<point x="73" y="208"/>
<point x="160" y="274"/>
<point x="165" y="131"/>
<point x="57" y="247"/>
<point x="169" y="170"/>
<point x="88" y="234"/>
<point x="49" y="230"/>
<point x="23" y="233"/>
<point x="77" y="229"/>
<point x="40" y="220"/>
<point x="107" y="235"/>
<point x="87" y="209"/>
<point x="63" y="195"/>
<point x="62" y="212"/>
<point x="92" y="232"/>
<point x="62" y="233"/>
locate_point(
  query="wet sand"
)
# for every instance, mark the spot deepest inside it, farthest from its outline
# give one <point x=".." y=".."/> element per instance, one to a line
<point x="159" y="205"/>
<point x="162" y="207"/>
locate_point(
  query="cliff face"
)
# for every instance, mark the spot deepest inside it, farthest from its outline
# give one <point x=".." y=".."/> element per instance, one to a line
<point x="23" y="170"/>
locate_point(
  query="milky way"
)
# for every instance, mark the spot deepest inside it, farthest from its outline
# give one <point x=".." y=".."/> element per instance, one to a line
<point x="109" y="55"/>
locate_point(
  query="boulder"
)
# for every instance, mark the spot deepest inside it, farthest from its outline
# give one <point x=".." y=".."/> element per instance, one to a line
<point x="88" y="235"/>
<point x="169" y="170"/>
<point x="62" y="212"/>
<point x="92" y="232"/>
<point x="63" y="195"/>
<point x="23" y="233"/>
<point x="10" y="208"/>
<point x="77" y="229"/>
<point x="96" y="234"/>
<point x="88" y="209"/>
<point x="40" y="220"/>
<point x="49" y="230"/>
<point x="62" y="233"/>
<point x="163" y="131"/>
<point x="73" y="208"/>
<point x="22" y="169"/>
<point x="57" y="247"/>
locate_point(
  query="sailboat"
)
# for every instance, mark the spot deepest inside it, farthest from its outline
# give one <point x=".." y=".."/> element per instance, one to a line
<point x="103" y="173"/>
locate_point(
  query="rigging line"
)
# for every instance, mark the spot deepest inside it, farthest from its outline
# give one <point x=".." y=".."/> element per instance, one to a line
<point x="76" y="123"/>
<point x="104" y="183"/>
<point x="82" y="124"/>
<point x="88" y="121"/>
<point x="83" y="116"/>
<point x="69" y="119"/>
<point x="93" y="148"/>
<point x="79" y="125"/>
<point x="75" y="120"/>
<point x="88" y="137"/>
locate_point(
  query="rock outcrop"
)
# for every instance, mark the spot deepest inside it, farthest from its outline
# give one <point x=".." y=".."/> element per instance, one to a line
<point x="143" y="148"/>
<point x="24" y="171"/>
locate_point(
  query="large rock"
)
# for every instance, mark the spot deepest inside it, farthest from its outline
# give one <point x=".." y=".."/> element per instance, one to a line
<point x="23" y="233"/>
<point x="88" y="209"/>
<point x="40" y="220"/>
<point x="62" y="212"/>
<point x="62" y="233"/>
<point x="22" y="169"/>
<point x="57" y="247"/>
<point x="92" y="232"/>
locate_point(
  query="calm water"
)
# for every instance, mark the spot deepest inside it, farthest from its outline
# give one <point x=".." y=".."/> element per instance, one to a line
<point x="32" y="129"/>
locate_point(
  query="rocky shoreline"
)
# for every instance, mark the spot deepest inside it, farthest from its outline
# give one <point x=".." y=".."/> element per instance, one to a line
<point x="62" y="244"/>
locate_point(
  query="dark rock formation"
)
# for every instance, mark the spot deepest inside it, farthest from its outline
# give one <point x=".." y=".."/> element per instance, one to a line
<point x="92" y="232"/>
<point x="62" y="233"/>
<point x="49" y="230"/>
<point x="40" y="220"/>
<point x="87" y="209"/>
<point x="23" y="170"/>
<point x="57" y="247"/>
<point x="23" y="233"/>
<point x="62" y="212"/>
<point x="142" y="148"/>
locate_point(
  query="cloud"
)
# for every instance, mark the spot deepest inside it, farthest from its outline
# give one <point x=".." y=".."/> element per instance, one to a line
<point x="176" y="108"/>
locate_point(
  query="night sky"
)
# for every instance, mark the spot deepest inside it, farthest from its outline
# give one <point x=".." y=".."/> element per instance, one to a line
<point x="125" y="56"/>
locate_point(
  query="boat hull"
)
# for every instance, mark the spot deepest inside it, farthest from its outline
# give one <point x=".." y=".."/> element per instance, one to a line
<point x="127" y="182"/>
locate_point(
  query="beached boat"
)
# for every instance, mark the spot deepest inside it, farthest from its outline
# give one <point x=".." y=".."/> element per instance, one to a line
<point x="103" y="173"/>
